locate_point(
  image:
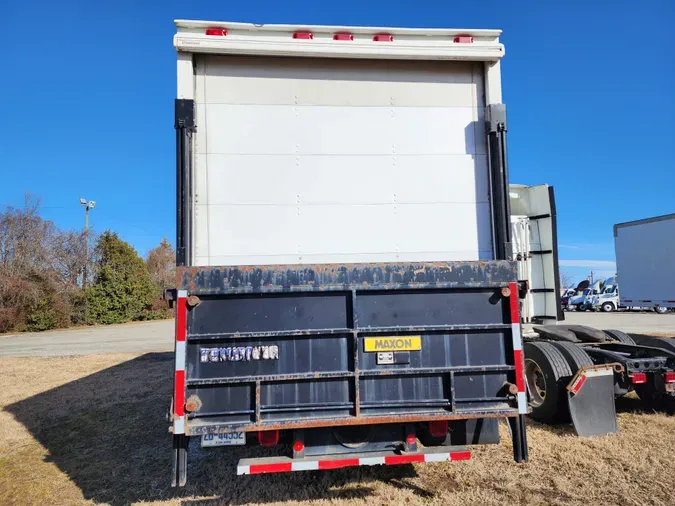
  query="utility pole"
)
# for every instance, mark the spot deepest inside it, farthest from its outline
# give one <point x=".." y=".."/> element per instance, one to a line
<point x="87" y="206"/>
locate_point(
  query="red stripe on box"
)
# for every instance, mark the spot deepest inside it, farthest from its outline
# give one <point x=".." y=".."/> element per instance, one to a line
<point x="460" y="456"/>
<point x="520" y="372"/>
<point x="404" y="459"/>
<point x="513" y="299"/>
<point x="282" y="467"/>
<point x="337" y="464"/>
<point x="179" y="393"/>
<point x="181" y="319"/>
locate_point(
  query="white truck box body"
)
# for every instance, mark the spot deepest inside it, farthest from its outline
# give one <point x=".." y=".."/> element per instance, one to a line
<point x="645" y="261"/>
<point x="330" y="151"/>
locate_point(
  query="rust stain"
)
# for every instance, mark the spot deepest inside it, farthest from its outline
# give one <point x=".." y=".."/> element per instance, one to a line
<point x="193" y="404"/>
<point x="357" y="420"/>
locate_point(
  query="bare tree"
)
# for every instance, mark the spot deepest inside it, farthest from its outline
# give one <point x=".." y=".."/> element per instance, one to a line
<point x="565" y="279"/>
<point x="161" y="262"/>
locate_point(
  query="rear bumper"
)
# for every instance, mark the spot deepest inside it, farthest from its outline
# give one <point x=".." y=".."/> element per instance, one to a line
<point x="287" y="464"/>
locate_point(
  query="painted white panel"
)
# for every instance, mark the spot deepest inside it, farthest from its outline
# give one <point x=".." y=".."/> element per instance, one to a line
<point x="451" y="227"/>
<point x="319" y="161"/>
<point x="339" y="83"/>
<point x="348" y="179"/>
<point x="254" y="129"/>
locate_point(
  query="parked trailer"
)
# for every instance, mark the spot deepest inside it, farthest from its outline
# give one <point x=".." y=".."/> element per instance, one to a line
<point x="573" y="372"/>
<point x="645" y="262"/>
<point x="328" y="295"/>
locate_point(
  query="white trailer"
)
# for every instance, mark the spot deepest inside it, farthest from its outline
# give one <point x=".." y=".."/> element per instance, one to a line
<point x="645" y="262"/>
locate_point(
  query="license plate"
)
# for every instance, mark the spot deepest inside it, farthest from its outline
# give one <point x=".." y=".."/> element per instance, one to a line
<point x="225" y="439"/>
<point x="392" y="343"/>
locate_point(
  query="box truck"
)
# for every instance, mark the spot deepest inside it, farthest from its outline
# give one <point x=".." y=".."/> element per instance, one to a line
<point x="348" y="289"/>
<point x="645" y="262"/>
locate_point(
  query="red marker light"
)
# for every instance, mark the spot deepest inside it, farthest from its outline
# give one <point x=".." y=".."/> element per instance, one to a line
<point x="268" y="437"/>
<point x="669" y="377"/>
<point x="298" y="446"/>
<point x="383" y="37"/>
<point x="303" y="35"/>
<point x="638" y="378"/>
<point x="464" y="39"/>
<point x="343" y="36"/>
<point x="438" y="428"/>
<point x="219" y="32"/>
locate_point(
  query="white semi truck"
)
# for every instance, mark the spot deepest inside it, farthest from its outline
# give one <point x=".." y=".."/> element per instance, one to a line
<point x="352" y="264"/>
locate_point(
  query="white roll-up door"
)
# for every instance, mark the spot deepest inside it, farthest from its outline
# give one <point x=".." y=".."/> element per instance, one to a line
<point x="331" y="161"/>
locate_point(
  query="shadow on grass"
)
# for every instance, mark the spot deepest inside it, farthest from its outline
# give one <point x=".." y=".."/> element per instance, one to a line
<point x="108" y="433"/>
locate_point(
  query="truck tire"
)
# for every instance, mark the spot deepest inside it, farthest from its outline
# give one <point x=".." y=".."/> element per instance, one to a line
<point x="607" y="307"/>
<point x="617" y="335"/>
<point x="547" y="373"/>
<point x="575" y="355"/>
<point x="581" y="307"/>
<point x="661" y="309"/>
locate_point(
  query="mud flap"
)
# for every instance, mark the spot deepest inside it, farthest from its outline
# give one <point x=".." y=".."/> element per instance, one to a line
<point x="591" y="401"/>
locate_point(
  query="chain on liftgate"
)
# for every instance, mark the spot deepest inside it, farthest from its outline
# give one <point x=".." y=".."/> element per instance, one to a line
<point x="590" y="396"/>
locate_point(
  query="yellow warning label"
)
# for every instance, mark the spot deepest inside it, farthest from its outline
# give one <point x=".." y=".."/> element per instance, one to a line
<point x="393" y="343"/>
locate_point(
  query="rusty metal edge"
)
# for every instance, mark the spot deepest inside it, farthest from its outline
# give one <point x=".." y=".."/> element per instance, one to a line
<point x="197" y="429"/>
<point x="326" y="277"/>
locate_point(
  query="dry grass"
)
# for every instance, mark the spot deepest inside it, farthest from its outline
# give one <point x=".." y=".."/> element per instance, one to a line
<point x="91" y="430"/>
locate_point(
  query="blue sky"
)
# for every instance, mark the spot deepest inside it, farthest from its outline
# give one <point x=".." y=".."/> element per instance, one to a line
<point x="589" y="86"/>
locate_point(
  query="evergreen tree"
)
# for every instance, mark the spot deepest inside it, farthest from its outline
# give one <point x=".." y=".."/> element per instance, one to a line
<point x="122" y="290"/>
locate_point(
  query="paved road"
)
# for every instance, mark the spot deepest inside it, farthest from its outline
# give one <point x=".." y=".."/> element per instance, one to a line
<point x="158" y="336"/>
<point x="133" y="337"/>
<point x="638" y="323"/>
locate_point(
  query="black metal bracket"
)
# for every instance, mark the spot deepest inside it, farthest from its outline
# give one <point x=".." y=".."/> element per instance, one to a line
<point x="180" y="452"/>
<point x="499" y="180"/>
<point x="185" y="125"/>
<point x="519" y="438"/>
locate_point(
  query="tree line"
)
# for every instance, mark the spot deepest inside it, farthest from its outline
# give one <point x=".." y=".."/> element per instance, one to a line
<point x="42" y="269"/>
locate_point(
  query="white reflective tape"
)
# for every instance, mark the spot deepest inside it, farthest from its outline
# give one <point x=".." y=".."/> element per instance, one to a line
<point x="436" y="457"/>
<point x="515" y="332"/>
<point x="522" y="403"/>
<point x="180" y="355"/>
<point x="604" y="371"/>
<point x="243" y="470"/>
<point x="371" y="461"/>
<point x="182" y="293"/>
<point x="305" y="466"/>
<point x="179" y="425"/>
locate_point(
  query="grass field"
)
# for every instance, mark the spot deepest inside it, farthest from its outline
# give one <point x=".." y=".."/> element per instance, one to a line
<point x="92" y="430"/>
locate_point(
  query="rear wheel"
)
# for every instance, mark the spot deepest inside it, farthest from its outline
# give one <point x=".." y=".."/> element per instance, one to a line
<point x="575" y="355"/>
<point x="619" y="336"/>
<point x="661" y="309"/>
<point x="547" y="373"/>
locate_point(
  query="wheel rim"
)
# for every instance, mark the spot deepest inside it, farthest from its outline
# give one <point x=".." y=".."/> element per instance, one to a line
<point x="536" y="383"/>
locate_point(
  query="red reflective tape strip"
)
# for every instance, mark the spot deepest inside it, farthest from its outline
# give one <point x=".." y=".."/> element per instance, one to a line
<point x="404" y="459"/>
<point x="460" y="455"/>
<point x="179" y="393"/>
<point x="282" y="467"/>
<point x="520" y="372"/>
<point x="578" y="384"/>
<point x="337" y="464"/>
<point x="181" y="319"/>
<point x="513" y="299"/>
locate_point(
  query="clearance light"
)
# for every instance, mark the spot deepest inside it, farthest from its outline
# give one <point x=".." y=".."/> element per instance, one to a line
<point x="218" y="32"/>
